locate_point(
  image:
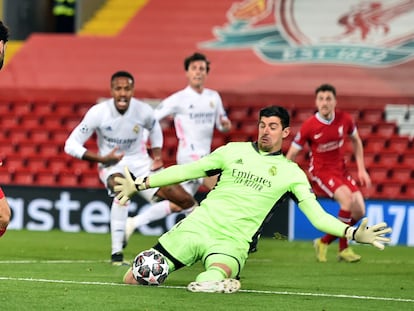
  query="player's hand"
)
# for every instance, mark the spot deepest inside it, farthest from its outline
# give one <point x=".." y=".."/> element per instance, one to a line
<point x="369" y="235"/>
<point x="127" y="187"/>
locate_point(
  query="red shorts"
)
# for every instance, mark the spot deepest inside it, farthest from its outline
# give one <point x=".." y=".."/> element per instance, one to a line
<point x="326" y="183"/>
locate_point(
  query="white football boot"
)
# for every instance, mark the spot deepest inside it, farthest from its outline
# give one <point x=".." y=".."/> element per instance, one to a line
<point x="226" y="286"/>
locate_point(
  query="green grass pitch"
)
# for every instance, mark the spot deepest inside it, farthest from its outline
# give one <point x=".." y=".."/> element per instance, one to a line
<point x="71" y="271"/>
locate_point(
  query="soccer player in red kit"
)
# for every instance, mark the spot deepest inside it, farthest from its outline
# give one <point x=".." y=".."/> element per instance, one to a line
<point x="325" y="133"/>
<point x="5" y="212"/>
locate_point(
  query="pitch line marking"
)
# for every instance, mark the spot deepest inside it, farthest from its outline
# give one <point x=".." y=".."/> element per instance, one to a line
<point x="3" y="278"/>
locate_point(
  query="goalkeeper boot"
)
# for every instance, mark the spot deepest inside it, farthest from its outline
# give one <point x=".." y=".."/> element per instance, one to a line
<point x="348" y="255"/>
<point x="320" y="250"/>
<point x="117" y="259"/>
<point x="226" y="286"/>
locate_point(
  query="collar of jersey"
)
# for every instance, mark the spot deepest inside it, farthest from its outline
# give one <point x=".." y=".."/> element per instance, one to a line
<point x="256" y="147"/>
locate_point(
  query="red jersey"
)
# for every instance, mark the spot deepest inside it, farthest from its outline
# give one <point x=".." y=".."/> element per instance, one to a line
<point x="326" y="141"/>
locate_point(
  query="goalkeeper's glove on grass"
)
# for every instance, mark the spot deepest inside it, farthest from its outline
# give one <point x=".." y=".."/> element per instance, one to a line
<point x="127" y="187"/>
<point x="369" y="235"/>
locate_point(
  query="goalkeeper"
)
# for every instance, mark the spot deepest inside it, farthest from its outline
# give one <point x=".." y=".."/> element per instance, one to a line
<point x="253" y="178"/>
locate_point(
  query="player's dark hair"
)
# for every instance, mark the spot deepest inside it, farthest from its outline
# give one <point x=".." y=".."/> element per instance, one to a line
<point x="326" y="88"/>
<point x="195" y="57"/>
<point x="276" y="111"/>
<point x="122" y="74"/>
<point x="4" y="32"/>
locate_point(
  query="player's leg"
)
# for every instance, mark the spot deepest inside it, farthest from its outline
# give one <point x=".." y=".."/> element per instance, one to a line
<point x="5" y="213"/>
<point x="119" y="215"/>
<point x="221" y="275"/>
<point x="177" y="195"/>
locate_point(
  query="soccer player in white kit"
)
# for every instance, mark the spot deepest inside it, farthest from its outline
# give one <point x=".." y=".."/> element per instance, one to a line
<point x="197" y="111"/>
<point x="119" y="124"/>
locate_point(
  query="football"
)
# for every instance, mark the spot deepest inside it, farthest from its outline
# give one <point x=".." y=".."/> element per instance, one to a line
<point x="150" y="268"/>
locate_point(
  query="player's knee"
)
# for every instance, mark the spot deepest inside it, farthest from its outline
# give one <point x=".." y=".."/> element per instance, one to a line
<point x="228" y="264"/>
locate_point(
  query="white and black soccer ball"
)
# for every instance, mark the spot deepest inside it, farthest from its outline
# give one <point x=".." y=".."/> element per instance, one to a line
<point x="150" y="268"/>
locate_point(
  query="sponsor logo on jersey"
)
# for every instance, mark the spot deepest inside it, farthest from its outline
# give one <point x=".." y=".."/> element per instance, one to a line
<point x="273" y="171"/>
<point x="359" y="33"/>
<point x="136" y="128"/>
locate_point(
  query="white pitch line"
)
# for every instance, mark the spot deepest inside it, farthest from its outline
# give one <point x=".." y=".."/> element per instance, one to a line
<point x="50" y="261"/>
<point x="3" y="278"/>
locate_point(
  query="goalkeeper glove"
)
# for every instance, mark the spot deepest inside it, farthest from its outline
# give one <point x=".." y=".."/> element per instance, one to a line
<point x="127" y="187"/>
<point x="369" y="235"/>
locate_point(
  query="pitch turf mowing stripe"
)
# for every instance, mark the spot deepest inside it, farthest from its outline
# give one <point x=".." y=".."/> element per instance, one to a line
<point x="242" y="290"/>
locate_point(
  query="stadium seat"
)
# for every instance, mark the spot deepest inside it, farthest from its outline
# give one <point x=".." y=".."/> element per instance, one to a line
<point x="402" y="173"/>
<point x="218" y="140"/>
<point x="386" y="129"/>
<point x="408" y="191"/>
<point x="374" y="143"/>
<point x="21" y="108"/>
<point x="5" y="176"/>
<point x="49" y="149"/>
<point x="372" y="115"/>
<point x="302" y="114"/>
<point x="378" y="173"/>
<point x="67" y="178"/>
<point x="388" y="158"/>
<point x="10" y="121"/>
<point x="395" y="112"/>
<point x="5" y="108"/>
<point x="63" y="109"/>
<point x="23" y="177"/>
<point x="40" y="135"/>
<point x="390" y="190"/>
<point x="408" y="156"/>
<point x="398" y="143"/>
<point x="14" y="163"/>
<point x="237" y="113"/>
<point x="365" y="129"/>
<point x="248" y="126"/>
<point x="90" y="180"/>
<point x="30" y="121"/>
<point x="58" y="163"/>
<point x="27" y="148"/>
<point x="36" y="162"/>
<point x="44" y="177"/>
<point x="41" y="108"/>
<point x="355" y="113"/>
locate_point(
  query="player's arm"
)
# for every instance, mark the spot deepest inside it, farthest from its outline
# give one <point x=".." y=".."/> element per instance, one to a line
<point x="358" y="148"/>
<point x="223" y="123"/>
<point x="293" y="151"/>
<point x="156" y="140"/>
<point x="207" y="166"/>
<point x="327" y="223"/>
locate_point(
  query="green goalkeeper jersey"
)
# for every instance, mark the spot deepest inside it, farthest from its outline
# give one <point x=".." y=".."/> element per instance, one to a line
<point x="250" y="184"/>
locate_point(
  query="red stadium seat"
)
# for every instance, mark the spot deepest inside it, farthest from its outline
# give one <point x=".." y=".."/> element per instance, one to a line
<point x="390" y="190"/>
<point x="45" y="177"/>
<point x="402" y="173"/>
<point x="398" y="143"/>
<point x="40" y="135"/>
<point x="27" y="148"/>
<point x="378" y="173"/>
<point x="365" y="129"/>
<point x="386" y="129"/>
<point x="49" y="149"/>
<point x="23" y="177"/>
<point x="21" y="108"/>
<point x="36" y="162"/>
<point x="408" y="156"/>
<point x="68" y="178"/>
<point x="388" y="158"/>
<point x="373" y="115"/>
<point x="30" y="121"/>
<point x="41" y="108"/>
<point x="408" y="191"/>
<point x="237" y="113"/>
<point x="374" y="143"/>
<point x="5" y="176"/>
<point x="58" y="163"/>
<point x="10" y="121"/>
<point x="302" y="114"/>
<point x="90" y="180"/>
<point x="14" y="163"/>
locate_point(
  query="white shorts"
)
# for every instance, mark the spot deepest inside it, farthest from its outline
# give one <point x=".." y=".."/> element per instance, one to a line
<point x="138" y="167"/>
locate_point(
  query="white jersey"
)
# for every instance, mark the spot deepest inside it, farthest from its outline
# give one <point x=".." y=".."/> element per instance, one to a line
<point x="195" y="117"/>
<point x="124" y="131"/>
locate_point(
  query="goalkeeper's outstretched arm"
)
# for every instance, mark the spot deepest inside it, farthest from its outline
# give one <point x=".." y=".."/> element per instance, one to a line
<point x="325" y="222"/>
